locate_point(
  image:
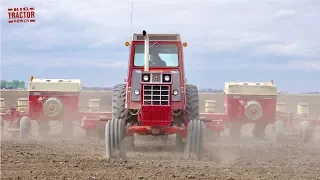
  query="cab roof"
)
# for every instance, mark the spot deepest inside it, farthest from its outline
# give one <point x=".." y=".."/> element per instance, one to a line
<point x="157" y="37"/>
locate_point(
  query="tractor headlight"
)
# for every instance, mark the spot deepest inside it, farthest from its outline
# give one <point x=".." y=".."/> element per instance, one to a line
<point x="136" y="92"/>
<point x="166" y="78"/>
<point x="145" y="78"/>
<point x="175" y="92"/>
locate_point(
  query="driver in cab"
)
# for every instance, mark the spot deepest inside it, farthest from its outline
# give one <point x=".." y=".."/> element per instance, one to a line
<point x="155" y="60"/>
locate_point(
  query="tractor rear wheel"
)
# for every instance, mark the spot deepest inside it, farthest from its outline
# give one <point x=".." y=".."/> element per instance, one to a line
<point x="194" y="148"/>
<point x="114" y="139"/>
<point x="25" y="127"/>
<point x="118" y="102"/>
<point x="192" y="106"/>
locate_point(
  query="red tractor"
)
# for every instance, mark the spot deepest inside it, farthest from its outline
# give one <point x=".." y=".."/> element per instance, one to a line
<point x="155" y="100"/>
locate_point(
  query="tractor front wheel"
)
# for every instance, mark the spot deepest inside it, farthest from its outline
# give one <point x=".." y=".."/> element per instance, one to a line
<point x="194" y="148"/>
<point x="114" y="136"/>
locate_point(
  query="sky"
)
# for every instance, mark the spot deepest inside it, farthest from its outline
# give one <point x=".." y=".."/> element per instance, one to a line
<point x="228" y="40"/>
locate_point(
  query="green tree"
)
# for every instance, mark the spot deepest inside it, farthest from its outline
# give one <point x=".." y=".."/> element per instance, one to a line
<point x="22" y="84"/>
<point x="15" y="84"/>
<point x="4" y="84"/>
<point x="10" y="85"/>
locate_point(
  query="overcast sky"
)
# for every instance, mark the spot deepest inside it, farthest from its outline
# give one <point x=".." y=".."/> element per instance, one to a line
<point x="228" y="40"/>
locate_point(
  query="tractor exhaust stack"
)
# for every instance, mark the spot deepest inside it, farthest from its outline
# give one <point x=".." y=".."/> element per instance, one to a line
<point x="146" y="50"/>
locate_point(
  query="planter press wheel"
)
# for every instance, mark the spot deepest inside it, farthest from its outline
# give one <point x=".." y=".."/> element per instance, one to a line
<point x="25" y="127"/>
<point x="278" y="131"/>
<point x="305" y="131"/>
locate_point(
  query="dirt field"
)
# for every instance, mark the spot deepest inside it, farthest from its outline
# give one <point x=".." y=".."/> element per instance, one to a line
<point x="82" y="157"/>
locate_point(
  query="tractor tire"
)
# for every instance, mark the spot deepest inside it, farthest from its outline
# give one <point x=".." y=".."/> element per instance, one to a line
<point x="306" y="131"/>
<point x="25" y="127"/>
<point x="108" y="140"/>
<point x="194" y="148"/>
<point x="118" y="107"/>
<point x="192" y="110"/>
<point x="118" y="102"/>
<point x="114" y="136"/>
<point x="278" y="131"/>
<point x="192" y="102"/>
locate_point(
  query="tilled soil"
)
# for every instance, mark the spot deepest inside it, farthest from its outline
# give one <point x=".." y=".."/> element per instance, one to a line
<point x="83" y="158"/>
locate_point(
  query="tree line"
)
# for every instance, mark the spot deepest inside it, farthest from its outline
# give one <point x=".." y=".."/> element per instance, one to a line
<point x="15" y="84"/>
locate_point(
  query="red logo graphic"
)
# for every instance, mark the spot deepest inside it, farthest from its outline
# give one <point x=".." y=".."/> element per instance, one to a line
<point x="21" y="15"/>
